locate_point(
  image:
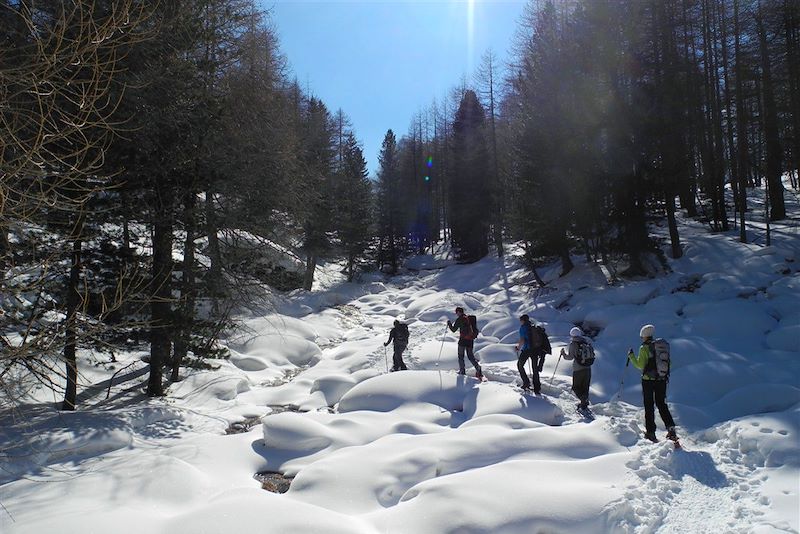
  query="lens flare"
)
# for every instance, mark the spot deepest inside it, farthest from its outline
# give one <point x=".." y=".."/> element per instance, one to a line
<point x="470" y="32"/>
<point x="430" y="161"/>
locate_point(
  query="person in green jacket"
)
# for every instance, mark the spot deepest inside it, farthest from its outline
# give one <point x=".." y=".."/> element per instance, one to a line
<point x="654" y="388"/>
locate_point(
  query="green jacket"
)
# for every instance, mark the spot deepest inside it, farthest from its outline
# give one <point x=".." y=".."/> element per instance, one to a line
<point x="640" y="360"/>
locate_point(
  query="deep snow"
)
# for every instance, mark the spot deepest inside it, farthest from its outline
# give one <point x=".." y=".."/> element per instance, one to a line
<point x="427" y="451"/>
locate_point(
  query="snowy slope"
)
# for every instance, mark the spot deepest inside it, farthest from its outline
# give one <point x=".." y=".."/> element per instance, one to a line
<point x="427" y="451"/>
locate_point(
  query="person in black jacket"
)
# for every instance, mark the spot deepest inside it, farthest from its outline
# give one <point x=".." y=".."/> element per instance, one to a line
<point x="466" y="341"/>
<point x="398" y="334"/>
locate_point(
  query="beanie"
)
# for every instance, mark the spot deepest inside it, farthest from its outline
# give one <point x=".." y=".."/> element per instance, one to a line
<point x="647" y="331"/>
<point x="576" y="332"/>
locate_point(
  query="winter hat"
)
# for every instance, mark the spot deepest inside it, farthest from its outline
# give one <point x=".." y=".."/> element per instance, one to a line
<point x="396" y="322"/>
<point x="525" y="318"/>
<point x="575" y="332"/>
<point x="647" y="331"/>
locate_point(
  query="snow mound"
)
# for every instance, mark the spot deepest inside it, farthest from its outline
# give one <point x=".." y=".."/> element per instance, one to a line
<point x="388" y="392"/>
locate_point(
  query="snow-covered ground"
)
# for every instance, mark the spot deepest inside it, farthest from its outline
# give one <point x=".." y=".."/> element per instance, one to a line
<point x="427" y="451"/>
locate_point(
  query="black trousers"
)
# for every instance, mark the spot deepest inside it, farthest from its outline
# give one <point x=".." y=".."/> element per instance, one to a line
<point x="526" y="383"/>
<point x="581" y="378"/>
<point x="655" y="392"/>
<point x="397" y="360"/>
<point x="465" y="345"/>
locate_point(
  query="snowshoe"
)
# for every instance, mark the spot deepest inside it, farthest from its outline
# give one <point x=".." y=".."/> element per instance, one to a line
<point x="673" y="437"/>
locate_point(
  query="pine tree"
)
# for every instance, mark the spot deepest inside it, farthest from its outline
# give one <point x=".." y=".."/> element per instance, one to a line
<point x="318" y="161"/>
<point x="469" y="214"/>
<point x="388" y="202"/>
<point x="354" y="203"/>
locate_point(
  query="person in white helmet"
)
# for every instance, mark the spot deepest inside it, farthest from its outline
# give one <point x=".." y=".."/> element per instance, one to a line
<point x="654" y="385"/>
<point x="581" y="353"/>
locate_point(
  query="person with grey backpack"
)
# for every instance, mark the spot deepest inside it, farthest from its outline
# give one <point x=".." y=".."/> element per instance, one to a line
<point x="581" y="353"/>
<point x="398" y="334"/>
<point x="654" y="362"/>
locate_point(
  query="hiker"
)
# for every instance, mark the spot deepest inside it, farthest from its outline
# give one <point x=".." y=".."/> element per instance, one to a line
<point x="581" y="352"/>
<point x="655" y="375"/>
<point x="398" y="334"/>
<point x="524" y="350"/>
<point x="466" y="340"/>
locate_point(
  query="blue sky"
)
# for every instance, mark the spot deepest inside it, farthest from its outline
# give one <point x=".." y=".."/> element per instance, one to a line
<point x="382" y="61"/>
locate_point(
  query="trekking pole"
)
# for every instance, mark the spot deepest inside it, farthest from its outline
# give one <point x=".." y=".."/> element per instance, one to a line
<point x="556" y="368"/>
<point x="386" y="361"/>
<point x="622" y="380"/>
<point x="441" y="346"/>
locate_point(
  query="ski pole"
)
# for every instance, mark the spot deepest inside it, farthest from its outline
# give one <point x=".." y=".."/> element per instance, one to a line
<point x="556" y="368"/>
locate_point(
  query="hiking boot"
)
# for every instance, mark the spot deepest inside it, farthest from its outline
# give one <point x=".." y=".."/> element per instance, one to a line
<point x="671" y="434"/>
<point x="651" y="436"/>
<point x="462" y="372"/>
<point x="479" y="376"/>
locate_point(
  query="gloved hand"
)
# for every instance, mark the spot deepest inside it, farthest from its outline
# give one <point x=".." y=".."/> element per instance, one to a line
<point x="386" y="344"/>
<point x="449" y="324"/>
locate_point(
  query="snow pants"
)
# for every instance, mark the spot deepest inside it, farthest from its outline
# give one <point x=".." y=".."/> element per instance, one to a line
<point x="655" y="391"/>
<point x="397" y="360"/>
<point x="581" y="378"/>
<point x="526" y="383"/>
<point x="465" y="345"/>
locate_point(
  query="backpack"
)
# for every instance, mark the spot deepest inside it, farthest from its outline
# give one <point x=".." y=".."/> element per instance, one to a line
<point x="472" y="324"/>
<point x="585" y="353"/>
<point x="658" y="365"/>
<point x="539" y="342"/>
<point x="401" y="334"/>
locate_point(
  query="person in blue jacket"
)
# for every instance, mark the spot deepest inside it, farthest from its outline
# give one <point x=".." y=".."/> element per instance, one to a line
<point x="524" y="351"/>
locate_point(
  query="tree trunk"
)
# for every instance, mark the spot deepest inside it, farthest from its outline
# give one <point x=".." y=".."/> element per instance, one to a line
<point x="674" y="237"/>
<point x="311" y="265"/>
<point x="741" y="126"/>
<point x="70" y="332"/>
<point x="791" y="11"/>
<point x="187" y="285"/>
<point x="696" y="142"/>
<point x="729" y="113"/>
<point x="566" y="261"/>
<point x="498" y="188"/>
<point x="5" y="251"/>
<point x="772" y="141"/>
<point x="160" y="308"/>
<point x="215" y="270"/>
<point x="719" y="143"/>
